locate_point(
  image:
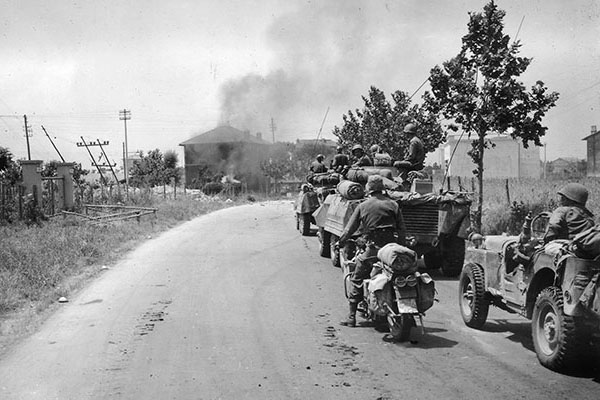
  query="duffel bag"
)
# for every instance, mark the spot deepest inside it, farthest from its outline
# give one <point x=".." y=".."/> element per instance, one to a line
<point x="399" y="258"/>
<point x="587" y="243"/>
<point x="351" y="190"/>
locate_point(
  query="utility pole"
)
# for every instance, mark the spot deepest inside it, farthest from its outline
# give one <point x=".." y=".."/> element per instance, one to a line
<point x="273" y="129"/>
<point x="53" y="145"/>
<point x="108" y="162"/>
<point x="125" y="115"/>
<point x="27" y="137"/>
<point x="84" y="144"/>
<point x="545" y="144"/>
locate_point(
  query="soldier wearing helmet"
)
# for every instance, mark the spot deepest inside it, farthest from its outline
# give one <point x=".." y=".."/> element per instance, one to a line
<point x="317" y="166"/>
<point x="361" y="159"/>
<point x="571" y="217"/>
<point x="340" y="161"/>
<point x="380" y="221"/>
<point x="415" y="155"/>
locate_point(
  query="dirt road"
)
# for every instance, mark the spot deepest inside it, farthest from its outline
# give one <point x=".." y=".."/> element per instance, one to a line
<point x="238" y="305"/>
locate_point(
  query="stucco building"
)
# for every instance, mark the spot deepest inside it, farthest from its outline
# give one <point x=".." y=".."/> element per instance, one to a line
<point x="508" y="159"/>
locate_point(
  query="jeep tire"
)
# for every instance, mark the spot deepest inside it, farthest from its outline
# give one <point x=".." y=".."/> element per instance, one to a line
<point x="473" y="301"/>
<point x="555" y="334"/>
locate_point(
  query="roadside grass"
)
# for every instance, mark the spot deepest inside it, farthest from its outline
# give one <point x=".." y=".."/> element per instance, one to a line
<point x="40" y="264"/>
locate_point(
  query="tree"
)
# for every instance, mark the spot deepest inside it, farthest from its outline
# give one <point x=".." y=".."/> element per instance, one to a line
<point x="171" y="170"/>
<point x="380" y="122"/>
<point x="147" y="171"/>
<point x="10" y="170"/>
<point x="478" y="90"/>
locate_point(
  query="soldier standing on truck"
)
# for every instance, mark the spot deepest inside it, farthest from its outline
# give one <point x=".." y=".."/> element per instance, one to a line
<point x="415" y="155"/>
<point x="380" y="221"/>
<point x="360" y="157"/>
<point x="317" y="166"/>
<point x="340" y="161"/>
<point x="571" y="217"/>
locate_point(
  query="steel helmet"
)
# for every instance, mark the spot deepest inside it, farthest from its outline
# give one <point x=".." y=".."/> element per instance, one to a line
<point x="575" y="192"/>
<point x="374" y="184"/>
<point x="320" y="156"/>
<point x="357" y="147"/>
<point x="410" y="128"/>
<point x="375" y="149"/>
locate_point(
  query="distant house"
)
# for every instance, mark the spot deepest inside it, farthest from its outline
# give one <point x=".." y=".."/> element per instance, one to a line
<point x="317" y="142"/>
<point x="508" y="159"/>
<point x="563" y="167"/>
<point x="593" y="152"/>
<point x="227" y="151"/>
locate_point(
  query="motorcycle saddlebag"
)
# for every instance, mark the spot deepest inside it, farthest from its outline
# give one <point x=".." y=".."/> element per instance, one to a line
<point x="378" y="298"/>
<point x="425" y="292"/>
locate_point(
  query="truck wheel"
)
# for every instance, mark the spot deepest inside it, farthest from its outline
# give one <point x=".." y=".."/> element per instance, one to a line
<point x="400" y="326"/>
<point x="453" y="255"/>
<point x="472" y="299"/>
<point x="305" y="225"/>
<point x="555" y="334"/>
<point x="433" y="259"/>
<point x="324" y="243"/>
<point x="334" y="253"/>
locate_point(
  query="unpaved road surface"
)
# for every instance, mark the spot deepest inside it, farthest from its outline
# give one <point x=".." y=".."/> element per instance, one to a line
<point x="238" y="305"/>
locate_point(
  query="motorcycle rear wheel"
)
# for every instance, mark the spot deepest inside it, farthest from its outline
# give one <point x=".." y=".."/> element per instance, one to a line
<point x="400" y="326"/>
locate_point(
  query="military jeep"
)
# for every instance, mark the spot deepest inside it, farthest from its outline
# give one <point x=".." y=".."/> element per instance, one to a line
<point x="544" y="283"/>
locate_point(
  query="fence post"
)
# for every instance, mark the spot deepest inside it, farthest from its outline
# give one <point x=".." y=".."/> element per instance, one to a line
<point x="507" y="192"/>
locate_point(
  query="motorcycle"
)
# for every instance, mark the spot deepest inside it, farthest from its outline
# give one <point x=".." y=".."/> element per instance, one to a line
<point x="396" y="294"/>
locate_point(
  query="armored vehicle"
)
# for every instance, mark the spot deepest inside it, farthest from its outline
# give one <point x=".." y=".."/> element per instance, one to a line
<point x="544" y="283"/>
<point x="436" y="224"/>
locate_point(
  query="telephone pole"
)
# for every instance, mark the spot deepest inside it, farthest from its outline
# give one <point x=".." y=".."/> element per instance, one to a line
<point x="125" y="115"/>
<point x="27" y="137"/>
<point x="273" y="129"/>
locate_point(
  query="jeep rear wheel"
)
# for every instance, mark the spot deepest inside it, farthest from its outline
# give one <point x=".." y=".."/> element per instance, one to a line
<point x="305" y="224"/>
<point x="473" y="302"/>
<point x="555" y="334"/>
<point x="324" y="243"/>
<point x="453" y="255"/>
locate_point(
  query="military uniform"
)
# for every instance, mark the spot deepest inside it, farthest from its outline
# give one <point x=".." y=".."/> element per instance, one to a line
<point x="567" y="221"/>
<point x="380" y="221"/>
<point x="415" y="155"/>
<point x="363" y="161"/>
<point x="318" y="167"/>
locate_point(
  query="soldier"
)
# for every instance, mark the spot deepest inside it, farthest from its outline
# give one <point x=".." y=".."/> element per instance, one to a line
<point x="380" y="221"/>
<point x="415" y="155"/>
<point x="362" y="159"/>
<point x="380" y="157"/>
<point x="317" y="166"/>
<point x="340" y="161"/>
<point x="571" y="217"/>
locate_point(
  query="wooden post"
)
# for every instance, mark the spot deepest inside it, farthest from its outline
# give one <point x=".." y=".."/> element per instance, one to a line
<point x="507" y="192"/>
<point x="448" y="180"/>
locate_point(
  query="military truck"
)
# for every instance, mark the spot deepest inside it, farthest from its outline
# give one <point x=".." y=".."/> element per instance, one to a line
<point x="544" y="283"/>
<point x="436" y="224"/>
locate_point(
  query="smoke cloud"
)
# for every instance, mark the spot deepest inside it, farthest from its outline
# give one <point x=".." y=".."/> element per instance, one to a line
<point x="328" y="55"/>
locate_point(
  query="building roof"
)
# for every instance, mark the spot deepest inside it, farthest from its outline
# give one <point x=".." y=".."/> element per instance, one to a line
<point x="224" y="134"/>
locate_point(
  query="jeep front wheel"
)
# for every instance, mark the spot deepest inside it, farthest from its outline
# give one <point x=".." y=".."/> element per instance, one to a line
<point x="554" y="333"/>
<point x="473" y="301"/>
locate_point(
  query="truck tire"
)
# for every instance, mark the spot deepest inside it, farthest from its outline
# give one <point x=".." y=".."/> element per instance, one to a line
<point x="433" y="259"/>
<point x="555" y="334"/>
<point x="324" y="243"/>
<point x="305" y="224"/>
<point x="472" y="299"/>
<point x="453" y="255"/>
<point x="334" y="252"/>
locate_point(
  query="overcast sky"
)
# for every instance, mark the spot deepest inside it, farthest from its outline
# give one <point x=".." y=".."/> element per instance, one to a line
<point x="184" y="67"/>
